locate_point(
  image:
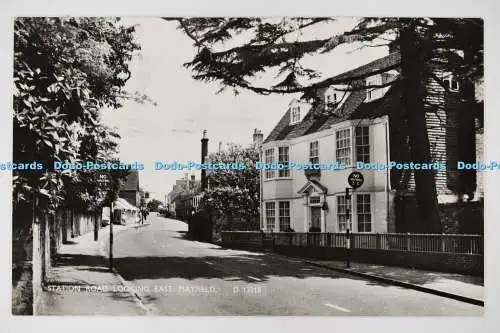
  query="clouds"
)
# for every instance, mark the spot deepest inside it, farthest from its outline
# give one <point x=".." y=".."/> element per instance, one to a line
<point x="181" y="130"/>
<point x="171" y="130"/>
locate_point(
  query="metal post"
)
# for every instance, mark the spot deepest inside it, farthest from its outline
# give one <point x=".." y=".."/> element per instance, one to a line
<point x="348" y="249"/>
<point x="96" y="226"/>
<point x="111" y="237"/>
<point x="348" y="222"/>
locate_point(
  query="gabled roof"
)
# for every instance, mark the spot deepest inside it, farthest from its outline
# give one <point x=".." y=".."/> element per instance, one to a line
<point x="388" y="62"/>
<point x="353" y="107"/>
<point x="314" y="184"/>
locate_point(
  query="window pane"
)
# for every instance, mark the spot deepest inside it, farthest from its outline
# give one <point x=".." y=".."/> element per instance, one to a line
<point x="283" y="158"/>
<point x="342" y="210"/>
<point x="362" y="144"/>
<point x="364" y="212"/>
<point x="343" y="146"/>
<point x="314" y="152"/>
<point x="284" y="215"/>
<point x="270" y="215"/>
<point x="269" y="158"/>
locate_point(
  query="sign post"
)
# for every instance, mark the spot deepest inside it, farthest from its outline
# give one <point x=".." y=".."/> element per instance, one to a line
<point x="103" y="182"/>
<point x="111" y="236"/>
<point x="355" y="180"/>
<point x="348" y="226"/>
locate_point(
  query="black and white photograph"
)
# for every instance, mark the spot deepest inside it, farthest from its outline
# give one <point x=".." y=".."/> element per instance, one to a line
<point x="248" y="166"/>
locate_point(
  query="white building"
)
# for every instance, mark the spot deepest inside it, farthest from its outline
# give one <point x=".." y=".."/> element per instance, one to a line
<point x="359" y="124"/>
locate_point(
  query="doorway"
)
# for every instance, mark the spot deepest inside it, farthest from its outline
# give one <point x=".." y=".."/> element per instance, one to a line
<point x="316" y="219"/>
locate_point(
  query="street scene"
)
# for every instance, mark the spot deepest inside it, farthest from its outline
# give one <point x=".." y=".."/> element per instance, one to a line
<point x="176" y="276"/>
<point x="248" y="166"/>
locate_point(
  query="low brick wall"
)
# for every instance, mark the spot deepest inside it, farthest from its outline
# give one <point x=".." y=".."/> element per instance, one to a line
<point x="463" y="260"/>
<point x="22" y="290"/>
<point x="470" y="264"/>
<point x="32" y="252"/>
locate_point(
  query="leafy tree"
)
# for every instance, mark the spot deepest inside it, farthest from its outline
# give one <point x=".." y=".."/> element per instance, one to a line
<point x="428" y="46"/>
<point x="233" y="192"/>
<point x="154" y="204"/>
<point x="65" y="70"/>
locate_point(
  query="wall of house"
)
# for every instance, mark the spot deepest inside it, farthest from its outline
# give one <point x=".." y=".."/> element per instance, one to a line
<point x="375" y="181"/>
<point x="298" y="215"/>
<point x="479" y="158"/>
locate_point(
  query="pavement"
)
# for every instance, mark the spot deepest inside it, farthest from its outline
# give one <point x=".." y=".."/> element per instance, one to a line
<point x="165" y="273"/>
<point x="80" y="282"/>
<point x="465" y="288"/>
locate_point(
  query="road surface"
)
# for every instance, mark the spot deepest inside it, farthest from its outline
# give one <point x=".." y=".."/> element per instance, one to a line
<point x="176" y="276"/>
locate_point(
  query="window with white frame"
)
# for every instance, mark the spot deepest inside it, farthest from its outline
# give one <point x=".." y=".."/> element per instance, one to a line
<point x="295" y="114"/>
<point x="283" y="158"/>
<point x="314" y="152"/>
<point x="269" y="158"/>
<point x="370" y="92"/>
<point x="270" y="215"/>
<point x="363" y="211"/>
<point x="343" y="212"/>
<point x="284" y="215"/>
<point x="362" y="144"/>
<point x="314" y="200"/>
<point x="331" y="98"/>
<point x="343" y="146"/>
<point x="452" y="83"/>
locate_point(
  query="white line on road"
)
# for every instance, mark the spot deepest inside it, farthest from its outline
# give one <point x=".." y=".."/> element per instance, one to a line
<point x="337" y="307"/>
<point x="208" y="262"/>
<point x="253" y="278"/>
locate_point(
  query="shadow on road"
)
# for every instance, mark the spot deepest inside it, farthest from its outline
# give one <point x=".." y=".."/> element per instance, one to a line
<point x="237" y="267"/>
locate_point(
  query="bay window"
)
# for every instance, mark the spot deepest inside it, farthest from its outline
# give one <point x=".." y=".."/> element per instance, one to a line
<point x="283" y="158"/>
<point x="269" y="158"/>
<point x="270" y="215"/>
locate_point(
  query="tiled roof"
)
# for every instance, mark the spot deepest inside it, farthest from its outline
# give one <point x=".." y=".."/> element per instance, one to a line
<point x="352" y="108"/>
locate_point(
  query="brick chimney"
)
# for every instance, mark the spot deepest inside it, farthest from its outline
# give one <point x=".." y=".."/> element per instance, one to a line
<point x="204" y="155"/>
<point x="258" y="137"/>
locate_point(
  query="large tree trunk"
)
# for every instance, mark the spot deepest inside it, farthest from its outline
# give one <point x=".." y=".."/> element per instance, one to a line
<point x="467" y="132"/>
<point x="412" y="66"/>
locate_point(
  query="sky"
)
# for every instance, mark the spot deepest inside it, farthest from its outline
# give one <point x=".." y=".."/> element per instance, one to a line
<point x="170" y="130"/>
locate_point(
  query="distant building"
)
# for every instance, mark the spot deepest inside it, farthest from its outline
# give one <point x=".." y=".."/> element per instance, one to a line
<point x="185" y="196"/>
<point x="130" y="190"/>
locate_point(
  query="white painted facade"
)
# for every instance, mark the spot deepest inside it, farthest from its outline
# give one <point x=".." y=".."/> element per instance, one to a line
<point x="297" y="190"/>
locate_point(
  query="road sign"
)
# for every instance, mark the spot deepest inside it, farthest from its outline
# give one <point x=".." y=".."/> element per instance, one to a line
<point x="355" y="179"/>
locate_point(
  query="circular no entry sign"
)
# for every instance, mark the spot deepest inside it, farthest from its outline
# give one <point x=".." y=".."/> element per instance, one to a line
<point x="355" y="179"/>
